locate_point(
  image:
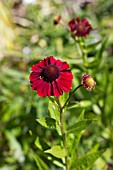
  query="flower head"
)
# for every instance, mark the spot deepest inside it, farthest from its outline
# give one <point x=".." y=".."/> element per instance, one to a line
<point x="50" y="77"/>
<point x="88" y="82"/>
<point x="57" y="19"/>
<point x="80" y="28"/>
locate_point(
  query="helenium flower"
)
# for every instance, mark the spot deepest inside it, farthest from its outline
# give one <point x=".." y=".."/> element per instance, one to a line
<point x="51" y="77"/>
<point x="80" y="28"/>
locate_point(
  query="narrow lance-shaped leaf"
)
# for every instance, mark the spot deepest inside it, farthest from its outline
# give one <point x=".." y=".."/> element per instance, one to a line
<point x="81" y="117"/>
<point x="75" y="141"/>
<point x="41" y="144"/>
<point x="57" y="151"/>
<point x="86" y="161"/>
<point x="94" y="149"/>
<point x="100" y="52"/>
<point x="50" y="123"/>
<point x="47" y="122"/>
<point x="91" y="47"/>
<point x="63" y="98"/>
<point x="15" y="147"/>
<point x="79" y="126"/>
<point x="82" y="104"/>
<point x="54" y="110"/>
<point x="40" y="163"/>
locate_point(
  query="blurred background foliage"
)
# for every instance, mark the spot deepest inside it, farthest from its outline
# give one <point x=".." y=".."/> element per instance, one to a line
<point x="28" y="35"/>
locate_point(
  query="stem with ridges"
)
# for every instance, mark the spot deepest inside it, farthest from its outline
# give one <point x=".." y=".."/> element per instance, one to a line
<point x="63" y="132"/>
<point x="80" y="43"/>
<point x="62" y="124"/>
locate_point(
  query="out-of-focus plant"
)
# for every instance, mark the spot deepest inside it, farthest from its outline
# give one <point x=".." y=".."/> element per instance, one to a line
<point x="51" y="77"/>
<point x="7" y="33"/>
<point x="22" y="138"/>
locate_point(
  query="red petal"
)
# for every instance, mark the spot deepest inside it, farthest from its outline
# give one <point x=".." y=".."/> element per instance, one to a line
<point x="66" y="75"/>
<point x="78" y="20"/>
<point x="56" y="90"/>
<point x="88" y="30"/>
<point x="83" y="34"/>
<point x="49" y="89"/>
<point x="42" y="91"/>
<point x="52" y="60"/>
<point x="72" y="24"/>
<point x="64" y="66"/>
<point x="34" y="76"/>
<point x="85" y="22"/>
<point x="64" y="84"/>
<point x="36" y="84"/>
<point x="58" y="63"/>
<point x="46" y="61"/>
<point x="37" y="67"/>
<point x="41" y="64"/>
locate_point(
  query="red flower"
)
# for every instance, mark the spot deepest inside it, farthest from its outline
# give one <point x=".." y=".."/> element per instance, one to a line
<point x="50" y="77"/>
<point x="88" y="82"/>
<point x="80" y="28"/>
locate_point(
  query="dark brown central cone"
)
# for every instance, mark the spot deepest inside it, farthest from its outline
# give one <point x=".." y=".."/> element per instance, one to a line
<point x="80" y="28"/>
<point x="50" y="73"/>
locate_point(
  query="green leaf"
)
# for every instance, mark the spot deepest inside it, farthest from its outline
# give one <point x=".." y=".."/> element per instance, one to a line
<point x="41" y="144"/>
<point x="101" y="50"/>
<point x="82" y="104"/>
<point x="54" y="110"/>
<point x="50" y="123"/>
<point x="81" y="117"/>
<point x="40" y="163"/>
<point x="15" y="147"/>
<point x="63" y="98"/>
<point x="73" y="105"/>
<point x="94" y="149"/>
<point x="52" y="99"/>
<point x="59" y="164"/>
<point x="73" y="141"/>
<point x="91" y="47"/>
<point x="79" y="126"/>
<point x="86" y="161"/>
<point x="57" y="151"/>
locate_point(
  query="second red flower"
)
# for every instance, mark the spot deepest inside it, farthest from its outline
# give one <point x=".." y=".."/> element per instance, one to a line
<point x="80" y="28"/>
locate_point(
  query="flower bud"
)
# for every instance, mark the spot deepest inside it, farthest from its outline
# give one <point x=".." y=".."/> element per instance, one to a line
<point x="57" y="19"/>
<point x="88" y="82"/>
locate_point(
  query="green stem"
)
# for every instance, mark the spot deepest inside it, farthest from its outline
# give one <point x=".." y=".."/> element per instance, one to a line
<point x="63" y="133"/>
<point x="82" y="48"/>
<point x="62" y="124"/>
<point x="71" y="95"/>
